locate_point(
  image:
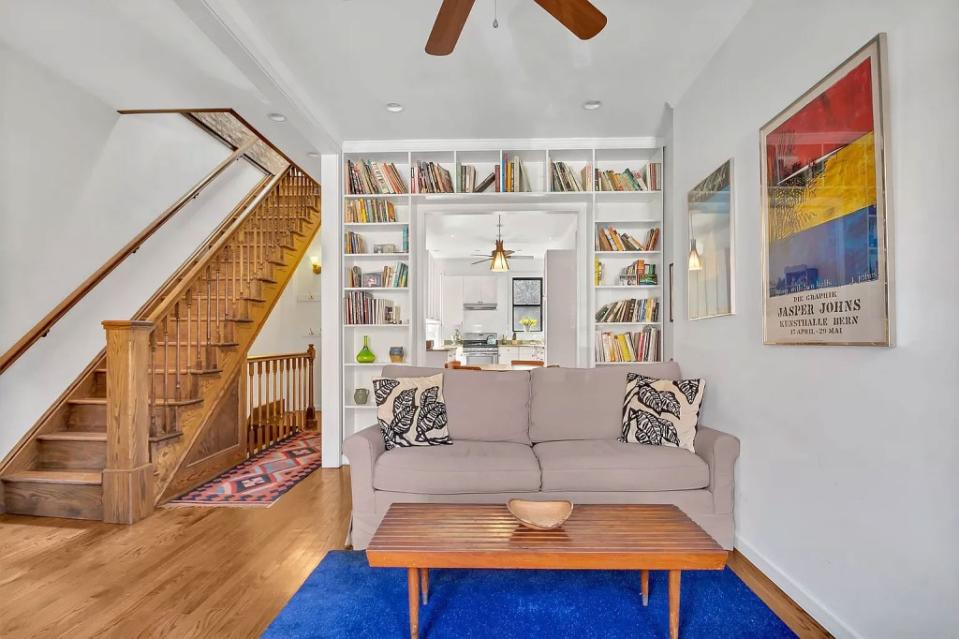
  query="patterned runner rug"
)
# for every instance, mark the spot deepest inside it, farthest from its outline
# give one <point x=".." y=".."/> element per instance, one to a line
<point x="262" y="479"/>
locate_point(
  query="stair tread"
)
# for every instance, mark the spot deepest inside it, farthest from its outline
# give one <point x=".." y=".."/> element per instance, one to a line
<point x="102" y="401"/>
<point x="74" y="436"/>
<point x="188" y="371"/>
<point x="90" y="477"/>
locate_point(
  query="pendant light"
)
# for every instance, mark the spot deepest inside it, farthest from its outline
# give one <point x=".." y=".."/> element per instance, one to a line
<point x="695" y="262"/>
<point x="499" y="263"/>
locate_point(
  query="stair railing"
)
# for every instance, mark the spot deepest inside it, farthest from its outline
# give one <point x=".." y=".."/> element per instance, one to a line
<point x="151" y="360"/>
<point x="279" y="398"/>
<point x="43" y="327"/>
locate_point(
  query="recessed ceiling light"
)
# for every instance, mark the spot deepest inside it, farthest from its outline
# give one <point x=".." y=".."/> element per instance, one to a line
<point x="394" y="107"/>
<point x="312" y="154"/>
<point x="592" y="105"/>
<point x="276" y="117"/>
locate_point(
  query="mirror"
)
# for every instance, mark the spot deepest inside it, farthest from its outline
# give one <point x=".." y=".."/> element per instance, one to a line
<point x="710" y="258"/>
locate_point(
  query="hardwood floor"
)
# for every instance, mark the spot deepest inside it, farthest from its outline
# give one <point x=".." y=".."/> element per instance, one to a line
<point x="182" y="572"/>
<point x="200" y="572"/>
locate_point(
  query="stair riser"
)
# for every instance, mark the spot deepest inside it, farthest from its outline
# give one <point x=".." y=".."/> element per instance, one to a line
<point x="92" y="418"/>
<point x="71" y="455"/>
<point x="189" y="385"/>
<point x="73" y="501"/>
<point x="188" y="330"/>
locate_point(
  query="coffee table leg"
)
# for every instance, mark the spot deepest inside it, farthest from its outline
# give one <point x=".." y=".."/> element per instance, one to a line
<point x="644" y="583"/>
<point x="413" y="582"/>
<point x="674" y="577"/>
<point x="425" y="584"/>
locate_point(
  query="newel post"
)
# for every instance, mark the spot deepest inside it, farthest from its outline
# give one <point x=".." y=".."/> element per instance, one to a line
<point x="310" y="407"/>
<point x="128" y="485"/>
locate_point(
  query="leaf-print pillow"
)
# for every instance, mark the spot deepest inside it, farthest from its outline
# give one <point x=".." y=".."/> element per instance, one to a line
<point x="661" y="412"/>
<point x="411" y="411"/>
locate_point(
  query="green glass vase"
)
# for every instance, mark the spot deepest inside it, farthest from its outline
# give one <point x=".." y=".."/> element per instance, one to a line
<point x="366" y="356"/>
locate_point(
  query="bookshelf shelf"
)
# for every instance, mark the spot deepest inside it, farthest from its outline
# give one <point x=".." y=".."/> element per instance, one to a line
<point x="627" y="253"/>
<point x="372" y="225"/>
<point x="383" y="256"/>
<point x="373" y="365"/>
<point x="625" y="287"/>
<point x="598" y="324"/>
<point x="376" y="325"/>
<point x="382" y="289"/>
<point x="360" y="406"/>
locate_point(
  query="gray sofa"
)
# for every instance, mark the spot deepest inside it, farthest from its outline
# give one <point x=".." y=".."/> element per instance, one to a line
<point x="549" y="433"/>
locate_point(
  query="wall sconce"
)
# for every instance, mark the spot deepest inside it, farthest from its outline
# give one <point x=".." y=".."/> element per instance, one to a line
<point x="315" y="262"/>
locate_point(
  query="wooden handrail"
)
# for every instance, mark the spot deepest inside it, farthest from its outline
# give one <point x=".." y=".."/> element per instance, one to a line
<point x="42" y="328"/>
<point x="199" y="267"/>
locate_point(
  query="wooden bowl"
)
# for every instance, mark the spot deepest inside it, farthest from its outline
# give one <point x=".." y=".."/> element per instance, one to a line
<point x="540" y="515"/>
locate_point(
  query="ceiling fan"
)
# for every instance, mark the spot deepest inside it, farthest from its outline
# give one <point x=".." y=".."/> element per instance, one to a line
<point x="579" y="16"/>
<point x="498" y="257"/>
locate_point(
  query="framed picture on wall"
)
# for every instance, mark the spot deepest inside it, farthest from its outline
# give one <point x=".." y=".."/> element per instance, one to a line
<point x="826" y="258"/>
<point x="710" y="263"/>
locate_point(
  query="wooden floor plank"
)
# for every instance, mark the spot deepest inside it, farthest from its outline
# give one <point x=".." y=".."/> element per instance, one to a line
<point x="183" y="572"/>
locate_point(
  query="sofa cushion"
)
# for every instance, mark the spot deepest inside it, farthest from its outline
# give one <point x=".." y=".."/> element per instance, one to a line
<point x="661" y="412"/>
<point x="609" y="465"/>
<point x="582" y="403"/>
<point x="411" y="411"/>
<point x="488" y="406"/>
<point x="464" y="467"/>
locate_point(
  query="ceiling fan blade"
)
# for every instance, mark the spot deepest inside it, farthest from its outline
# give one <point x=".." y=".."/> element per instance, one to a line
<point x="579" y="16"/>
<point x="488" y="259"/>
<point x="448" y="25"/>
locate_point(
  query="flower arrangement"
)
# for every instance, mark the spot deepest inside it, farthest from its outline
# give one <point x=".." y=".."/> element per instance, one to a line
<point x="528" y="323"/>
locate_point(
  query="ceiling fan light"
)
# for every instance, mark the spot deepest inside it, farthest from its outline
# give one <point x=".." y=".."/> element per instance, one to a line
<point x="499" y="263"/>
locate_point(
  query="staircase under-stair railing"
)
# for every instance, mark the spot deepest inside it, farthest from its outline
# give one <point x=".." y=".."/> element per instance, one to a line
<point x="168" y="405"/>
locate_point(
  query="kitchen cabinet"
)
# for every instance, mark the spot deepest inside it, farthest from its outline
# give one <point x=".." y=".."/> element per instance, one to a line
<point x="480" y="288"/>
<point x="530" y="353"/>
<point x="452" y="302"/>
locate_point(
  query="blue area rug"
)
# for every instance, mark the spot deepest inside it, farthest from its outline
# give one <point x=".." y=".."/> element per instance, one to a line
<point x="346" y="598"/>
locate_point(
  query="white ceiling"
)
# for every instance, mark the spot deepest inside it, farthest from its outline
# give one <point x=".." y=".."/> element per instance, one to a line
<point x="528" y="233"/>
<point x="331" y="65"/>
<point x="528" y="78"/>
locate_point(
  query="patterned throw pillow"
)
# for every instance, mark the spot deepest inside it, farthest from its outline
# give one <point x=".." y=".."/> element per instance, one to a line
<point x="411" y="411"/>
<point x="661" y="412"/>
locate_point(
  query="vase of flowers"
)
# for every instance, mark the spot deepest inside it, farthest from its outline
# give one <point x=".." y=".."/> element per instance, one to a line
<point x="528" y="323"/>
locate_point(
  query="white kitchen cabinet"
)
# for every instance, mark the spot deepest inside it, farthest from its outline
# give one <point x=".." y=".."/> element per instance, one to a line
<point x="480" y="288"/>
<point x="452" y="302"/>
<point x="529" y="353"/>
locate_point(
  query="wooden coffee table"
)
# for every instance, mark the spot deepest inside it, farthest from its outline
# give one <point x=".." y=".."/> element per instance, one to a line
<point x="596" y="537"/>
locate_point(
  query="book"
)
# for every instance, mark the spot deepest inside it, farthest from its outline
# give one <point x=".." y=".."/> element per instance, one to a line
<point x="360" y="307"/>
<point x="369" y="211"/>
<point x="647" y="178"/>
<point x="488" y="181"/>
<point x="629" y="310"/>
<point x="565" y="180"/>
<point x="609" y="239"/>
<point x="369" y="177"/>
<point x="633" y="346"/>
<point x="396" y="276"/>
<point x="431" y="177"/>
<point x="354" y="243"/>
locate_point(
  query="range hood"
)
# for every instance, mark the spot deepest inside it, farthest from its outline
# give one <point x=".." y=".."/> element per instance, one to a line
<point x="479" y="306"/>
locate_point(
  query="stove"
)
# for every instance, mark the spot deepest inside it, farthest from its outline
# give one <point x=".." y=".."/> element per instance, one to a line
<point x="480" y="348"/>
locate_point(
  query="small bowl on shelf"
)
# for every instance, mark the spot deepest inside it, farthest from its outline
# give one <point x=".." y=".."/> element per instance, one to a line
<point x="540" y="515"/>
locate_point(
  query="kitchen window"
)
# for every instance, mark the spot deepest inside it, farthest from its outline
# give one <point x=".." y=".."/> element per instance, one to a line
<point x="528" y="303"/>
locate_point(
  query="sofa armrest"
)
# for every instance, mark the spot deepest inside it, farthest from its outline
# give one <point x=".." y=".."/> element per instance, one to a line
<point x="363" y="449"/>
<point x="719" y="450"/>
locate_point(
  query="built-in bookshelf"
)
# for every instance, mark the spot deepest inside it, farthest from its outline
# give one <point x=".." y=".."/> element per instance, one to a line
<point x="388" y="191"/>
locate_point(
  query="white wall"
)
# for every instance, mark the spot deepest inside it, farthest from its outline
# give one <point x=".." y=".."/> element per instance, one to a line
<point x="77" y="181"/>
<point x="847" y="483"/>
<point x="295" y="321"/>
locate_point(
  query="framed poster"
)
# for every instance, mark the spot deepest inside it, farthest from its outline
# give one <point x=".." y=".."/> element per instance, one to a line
<point x="826" y="267"/>
<point x="709" y="285"/>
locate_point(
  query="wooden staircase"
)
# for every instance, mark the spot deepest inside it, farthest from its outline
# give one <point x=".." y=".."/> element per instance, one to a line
<point x="119" y="440"/>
